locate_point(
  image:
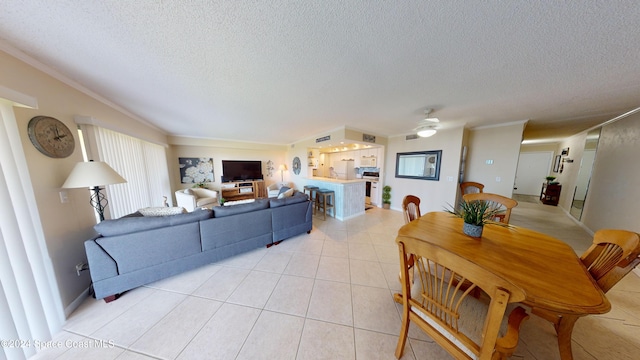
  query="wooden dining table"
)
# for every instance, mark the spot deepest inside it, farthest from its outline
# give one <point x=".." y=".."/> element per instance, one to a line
<point x="546" y="269"/>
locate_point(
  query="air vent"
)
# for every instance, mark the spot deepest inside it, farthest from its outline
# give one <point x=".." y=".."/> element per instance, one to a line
<point x="411" y="137"/>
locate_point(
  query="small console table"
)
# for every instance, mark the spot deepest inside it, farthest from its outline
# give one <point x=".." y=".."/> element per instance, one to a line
<point x="550" y="194"/>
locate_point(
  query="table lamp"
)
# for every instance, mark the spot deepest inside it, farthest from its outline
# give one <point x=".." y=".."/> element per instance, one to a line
<point x="93" y="174"/>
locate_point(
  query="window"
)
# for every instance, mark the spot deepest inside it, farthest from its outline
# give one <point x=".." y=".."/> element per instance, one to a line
<point x="143" y="164"/>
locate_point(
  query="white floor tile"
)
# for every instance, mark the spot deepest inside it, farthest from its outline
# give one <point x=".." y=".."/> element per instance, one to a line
<point x="303" y="265"/>
<point x="291" y="295"/>
<point x="334" y="269"/>
<point x="170" y="335"/>
<point x="255" y="289"/>
<point x="222" y="337"/>
<point x="133" y="323"/>
<point x="222" y="284"/>
<point x="322" y="340"/>
<point x="274" y="336"/>
<point x="331" y="301"/>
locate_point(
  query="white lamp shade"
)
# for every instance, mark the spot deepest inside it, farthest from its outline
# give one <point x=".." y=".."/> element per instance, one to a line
<point x="283" y="167"/>
<point x="92" y="173"/>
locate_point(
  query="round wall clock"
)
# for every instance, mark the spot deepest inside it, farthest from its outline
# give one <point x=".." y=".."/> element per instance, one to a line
<point x="51" y="136"/>
<point x="296" y="165"/>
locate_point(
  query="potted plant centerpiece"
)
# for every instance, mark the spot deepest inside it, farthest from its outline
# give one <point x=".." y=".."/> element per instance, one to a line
<point x="550" y="179"/>
<point x="386" y="197"/>
<point x="476" y="214"/>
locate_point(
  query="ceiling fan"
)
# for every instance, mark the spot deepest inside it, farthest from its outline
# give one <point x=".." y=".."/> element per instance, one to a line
<point x="427" y="127"/>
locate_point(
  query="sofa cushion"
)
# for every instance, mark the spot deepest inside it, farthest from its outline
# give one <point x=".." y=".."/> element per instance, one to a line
<point x="297" y="197"/>
<point x="131" y="224"/>
<point x="222" y="211"/>
<point x="162" y="211"/>
<point x="206" y="201"/>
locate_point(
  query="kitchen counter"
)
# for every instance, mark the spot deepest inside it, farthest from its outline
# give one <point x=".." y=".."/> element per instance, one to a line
<point x="337" y="181"/>
<point x="349" y="195"/>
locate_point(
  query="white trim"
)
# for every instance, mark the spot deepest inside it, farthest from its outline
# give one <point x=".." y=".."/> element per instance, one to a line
<point x="18" y="99"/>
<point x="482" y="127"/>
<point x="90" y="120"/>
<point x="76" y="302"/>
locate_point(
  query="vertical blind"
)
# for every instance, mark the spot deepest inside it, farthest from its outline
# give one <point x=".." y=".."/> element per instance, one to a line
<point x="141" y="163"/>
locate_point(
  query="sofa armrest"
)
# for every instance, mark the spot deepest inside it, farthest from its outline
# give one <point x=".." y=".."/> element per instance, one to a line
<point x="186" y="201"/>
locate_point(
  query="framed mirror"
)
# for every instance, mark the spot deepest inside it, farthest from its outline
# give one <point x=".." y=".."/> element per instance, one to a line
<point x="584" y="174"/>
<point x="423" y="165"/>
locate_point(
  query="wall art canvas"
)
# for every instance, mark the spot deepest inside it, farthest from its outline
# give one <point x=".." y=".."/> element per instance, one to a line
<point x="196" y="170"/>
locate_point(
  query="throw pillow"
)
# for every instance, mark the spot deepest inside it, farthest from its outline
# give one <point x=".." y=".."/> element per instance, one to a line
<point x="286" y="194"/>
<point x="162" y="211"/>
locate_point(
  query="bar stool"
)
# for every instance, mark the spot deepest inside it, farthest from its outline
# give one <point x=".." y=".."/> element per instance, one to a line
<point x="312" y="195"/>
<point x="325" y="200"/>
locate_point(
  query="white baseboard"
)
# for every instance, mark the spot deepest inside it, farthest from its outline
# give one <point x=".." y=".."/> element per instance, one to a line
<point x="76" y="303"/>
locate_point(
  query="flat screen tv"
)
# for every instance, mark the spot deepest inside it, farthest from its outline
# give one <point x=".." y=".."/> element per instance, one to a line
<point x="240" y="170"/>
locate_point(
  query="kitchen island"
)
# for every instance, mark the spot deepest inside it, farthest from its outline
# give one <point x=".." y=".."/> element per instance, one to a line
<point x="349" y="195"/>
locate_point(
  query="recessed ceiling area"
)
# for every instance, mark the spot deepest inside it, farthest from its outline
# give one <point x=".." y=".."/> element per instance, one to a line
<point x="280" y="71"/>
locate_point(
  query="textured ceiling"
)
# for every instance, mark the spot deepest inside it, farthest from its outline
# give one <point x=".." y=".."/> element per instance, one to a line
<point x="279" y="71"/>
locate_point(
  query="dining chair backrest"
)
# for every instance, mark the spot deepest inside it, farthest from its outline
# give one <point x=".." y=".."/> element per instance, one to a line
<point x="440" y="306"/>
<point x="610" y="248"/>
<point x="470" y="187"/>
<point x="499" y="200"/>
<point x="410" y="208"/>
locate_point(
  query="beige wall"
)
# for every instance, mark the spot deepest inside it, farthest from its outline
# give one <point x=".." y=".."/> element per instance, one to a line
<point x="65" y="226"/>
<point x="612" y="200"/>
<point x="434" y="195"/>
<point x="501" y="144"/>
<point x="225" y="150"/>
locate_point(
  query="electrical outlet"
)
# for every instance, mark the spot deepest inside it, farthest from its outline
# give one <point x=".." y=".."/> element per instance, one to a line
<point x="82" y="266"/>
<point x="450" y="178"/>
<point x="498" y="179"/>
<point x="63" y="197"/>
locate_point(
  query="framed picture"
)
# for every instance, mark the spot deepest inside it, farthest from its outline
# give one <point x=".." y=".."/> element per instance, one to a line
<point x="556" y="163"/>
<point x="196" y="170"/>
<point x="422" y="165"/>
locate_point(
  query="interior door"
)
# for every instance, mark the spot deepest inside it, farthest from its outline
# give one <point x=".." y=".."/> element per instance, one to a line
<point x="532" y="168"/>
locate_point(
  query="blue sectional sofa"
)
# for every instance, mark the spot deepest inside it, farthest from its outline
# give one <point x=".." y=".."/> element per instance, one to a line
<point x="136" y="250"/>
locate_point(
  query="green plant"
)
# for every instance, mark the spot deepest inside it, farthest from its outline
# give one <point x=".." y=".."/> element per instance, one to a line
<point x="200" y="185"/>
<point x="222" y="200"/>
<point x="386" y="194"/>
<point x="550" y="178"/>
<point x="477" y="212"/>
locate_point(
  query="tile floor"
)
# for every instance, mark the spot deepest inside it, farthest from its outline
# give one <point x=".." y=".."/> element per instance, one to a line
<point x="326" y="295"/>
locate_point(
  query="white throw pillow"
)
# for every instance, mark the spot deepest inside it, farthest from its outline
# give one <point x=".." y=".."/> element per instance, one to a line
<point x="162" y="211"/>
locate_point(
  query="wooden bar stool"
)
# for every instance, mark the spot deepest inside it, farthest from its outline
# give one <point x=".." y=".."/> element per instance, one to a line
<point x="312" y="195"/>
<point x="325" y="200"/>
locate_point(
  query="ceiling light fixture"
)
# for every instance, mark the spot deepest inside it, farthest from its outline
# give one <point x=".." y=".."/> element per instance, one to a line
<point x="428" y="127"/>
<point x="426" y="131"/>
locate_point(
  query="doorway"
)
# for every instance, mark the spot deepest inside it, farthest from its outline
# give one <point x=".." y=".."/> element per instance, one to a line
<point x="532" y="168"/>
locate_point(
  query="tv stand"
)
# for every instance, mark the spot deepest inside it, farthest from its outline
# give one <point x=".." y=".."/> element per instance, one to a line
<point x="242" y="190"/>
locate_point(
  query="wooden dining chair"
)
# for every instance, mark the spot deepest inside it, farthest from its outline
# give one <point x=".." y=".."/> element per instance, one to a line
<point x="610" y="249"/>
<point x="464" y="326"/>
<point x="410" y="208"/>
<point x="498" y="200"/>
<point x="612" y="255"/>
<point x="470" y="187"/>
